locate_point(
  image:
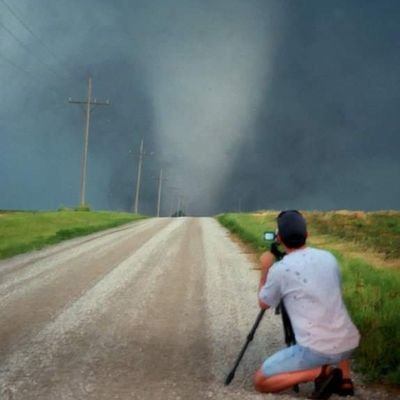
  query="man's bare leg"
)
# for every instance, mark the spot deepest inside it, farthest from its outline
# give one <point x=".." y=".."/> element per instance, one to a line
<point x="347" y="384"/>
<point x="279" y="382"/>
<point x="345" y="367"/>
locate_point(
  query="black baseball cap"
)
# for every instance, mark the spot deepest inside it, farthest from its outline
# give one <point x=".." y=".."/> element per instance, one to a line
<point x="292" y="228"/>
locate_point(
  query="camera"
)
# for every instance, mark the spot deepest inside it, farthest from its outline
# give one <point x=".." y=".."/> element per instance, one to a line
<point x="270" y="236"/>
<point x="274" y="246"/>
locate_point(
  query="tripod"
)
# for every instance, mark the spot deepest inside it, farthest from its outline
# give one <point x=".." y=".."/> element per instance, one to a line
<point x="288" y="332"/>
<point x="287" y="326"/>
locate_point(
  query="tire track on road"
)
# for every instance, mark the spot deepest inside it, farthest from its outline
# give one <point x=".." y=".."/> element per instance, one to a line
<point x="18" y="274"/>
<point x="37" y="351"/>
<point x="153" y="344"/>
<point x="21" y="261"/>
<point x="24" y="310"/>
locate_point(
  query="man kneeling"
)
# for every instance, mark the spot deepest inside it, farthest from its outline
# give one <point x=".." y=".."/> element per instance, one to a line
<point x="308" y="282"/>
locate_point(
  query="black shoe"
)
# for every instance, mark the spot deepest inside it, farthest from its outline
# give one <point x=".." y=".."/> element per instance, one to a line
<point x="325" y="386"/>
<point x="347" y="390"/>
<point x="318" y="381"/>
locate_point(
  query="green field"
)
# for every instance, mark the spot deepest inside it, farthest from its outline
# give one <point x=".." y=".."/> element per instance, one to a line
<point x="368" y="248"/>
<point x="25" y="231"/>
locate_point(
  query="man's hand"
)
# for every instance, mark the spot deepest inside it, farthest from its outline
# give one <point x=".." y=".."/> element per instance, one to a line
<point x="262" y="305"/>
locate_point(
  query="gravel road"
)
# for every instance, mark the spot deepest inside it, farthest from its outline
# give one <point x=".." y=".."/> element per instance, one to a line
<point x="158" y="309"/>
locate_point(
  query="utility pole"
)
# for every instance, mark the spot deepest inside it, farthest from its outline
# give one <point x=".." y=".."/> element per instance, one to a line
<point x="178" y="206"/>
<point x="173" y="205"/>
<point x="139" y="176"/>
<point x="88" y="104"/>
<point x="160" y="179"/>
<point x="142" y="153"/>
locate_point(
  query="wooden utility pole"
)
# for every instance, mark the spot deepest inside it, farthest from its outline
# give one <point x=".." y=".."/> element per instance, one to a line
<point x="178" y="207"/>
<point x="89" y="103"/>
<point x="139" y="176"/>
<point x="160" y="179"/>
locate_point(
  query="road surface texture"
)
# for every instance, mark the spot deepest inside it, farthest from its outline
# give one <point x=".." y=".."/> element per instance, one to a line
<point x="157" y="309"/>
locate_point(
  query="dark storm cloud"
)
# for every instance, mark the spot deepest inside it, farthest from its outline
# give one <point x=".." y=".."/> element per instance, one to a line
<point x="249" y="104"/>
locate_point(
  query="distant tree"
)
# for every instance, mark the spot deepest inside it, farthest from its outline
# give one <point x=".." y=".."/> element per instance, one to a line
<point x="178" y="213"/>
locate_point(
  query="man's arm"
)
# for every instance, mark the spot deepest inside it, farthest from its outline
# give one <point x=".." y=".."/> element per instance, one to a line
<point x="266" y="261"/>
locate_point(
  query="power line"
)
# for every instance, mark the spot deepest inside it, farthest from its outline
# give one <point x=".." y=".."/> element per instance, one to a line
<point x="22" y="44"/>
<point x="26" y="73"/>
<point x="10" y="9"/>
<point x="15" y="37"/>
<point x="8" y="61"/>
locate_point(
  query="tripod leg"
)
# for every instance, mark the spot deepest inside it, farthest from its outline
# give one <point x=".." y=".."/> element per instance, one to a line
<point x="250" y="337"/>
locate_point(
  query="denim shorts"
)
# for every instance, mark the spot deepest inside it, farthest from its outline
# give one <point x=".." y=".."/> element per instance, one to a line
<point x="297" y="358"/>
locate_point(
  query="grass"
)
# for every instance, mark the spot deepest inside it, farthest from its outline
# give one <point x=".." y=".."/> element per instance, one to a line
<point x="373" y="300"/>
<point x="378" y="232"/>
<point x="21" y="232"/>
<point x="249" y="229"/>
<point x="367" y="246"/>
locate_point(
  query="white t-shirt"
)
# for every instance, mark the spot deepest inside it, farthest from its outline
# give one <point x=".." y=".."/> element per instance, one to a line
<point x="308" y="280"/>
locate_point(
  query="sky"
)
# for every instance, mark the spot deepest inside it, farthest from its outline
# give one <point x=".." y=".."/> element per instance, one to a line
<point x="243" y="104"/>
